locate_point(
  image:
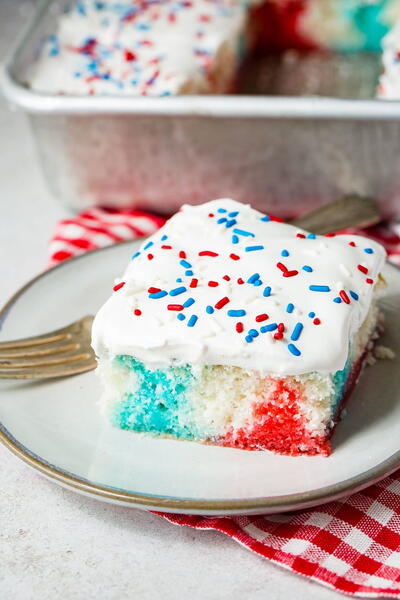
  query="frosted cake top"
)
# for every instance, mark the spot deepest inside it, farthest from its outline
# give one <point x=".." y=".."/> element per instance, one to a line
<point x="222" y="283"/>
<point x="151" y="47"/>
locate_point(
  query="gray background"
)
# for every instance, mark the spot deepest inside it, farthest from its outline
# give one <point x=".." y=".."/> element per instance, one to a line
<point x="54" y="543"/>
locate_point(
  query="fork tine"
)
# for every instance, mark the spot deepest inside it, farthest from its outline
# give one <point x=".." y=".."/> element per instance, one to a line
<point x="51" y="371"/>
<point x="40" y="352"/>
<point x="40" y="362"/>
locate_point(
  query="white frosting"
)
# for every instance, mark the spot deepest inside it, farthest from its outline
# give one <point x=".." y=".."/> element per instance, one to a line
<point x="159" y="338"/>
<point x="155" y="47"/>
<point x="389" y="82"/>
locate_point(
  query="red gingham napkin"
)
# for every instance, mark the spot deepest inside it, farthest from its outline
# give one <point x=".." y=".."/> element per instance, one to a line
<point x="352" y="545"/>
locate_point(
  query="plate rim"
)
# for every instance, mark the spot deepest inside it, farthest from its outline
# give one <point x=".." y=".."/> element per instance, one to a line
<point x="281" y="503"/>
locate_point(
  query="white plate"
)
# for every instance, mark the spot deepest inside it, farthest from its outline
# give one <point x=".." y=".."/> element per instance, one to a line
<point x="56" y="428"/>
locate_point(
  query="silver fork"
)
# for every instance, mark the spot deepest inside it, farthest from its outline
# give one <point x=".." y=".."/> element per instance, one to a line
<point x="67" y="351"/>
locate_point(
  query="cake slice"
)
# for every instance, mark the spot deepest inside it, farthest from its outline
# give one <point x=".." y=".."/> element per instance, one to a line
<point x="231" y="328"/>
<point x="154" y="48"/>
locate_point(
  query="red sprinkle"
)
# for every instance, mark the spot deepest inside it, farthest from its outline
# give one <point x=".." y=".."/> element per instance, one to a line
<point x="234" y="257"/>
<point x="150" y="256"/>
<point x="210" y="214"/>
<point x="129" y="56"/>
<point x="118" y="286"/>
<point x="281" y="327"/>
<point x="194" y="283"/>
<point x="166" y="247"/>
<point x="213" y="283"/>
<point x="208" y="253"/>
<point x="153" y="290"/>
<point x="362" y="269"/>
<point x="221" y="303"/>
<point x="278" y="335"/>
<point x="330" y="234"/>
<point x="175" y="307"/>
<point x="182" y="254"/>
<point x="369" y="280"/>
<point x="226" y="277"/>
<point x="352" y="244"/>
<point x="300" y="235"/>
<point x="239" y="327"/>
<point x="316" y="321"/>
<point x="344" y="296"/>
<point x="290" y="273"/>
<point x="137" y="312"/>
<point x="262" y="317"/>
<point x="240" y="281"/>
<point x="282" y="267"/>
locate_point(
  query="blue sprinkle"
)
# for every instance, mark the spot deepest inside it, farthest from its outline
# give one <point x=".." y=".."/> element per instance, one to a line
<point x="248" y="339"/>
<point x="236" y="313"/>
<point x="221" y="210"/>
<point x="179" y="280"/>
<point x="368" y="250"/>
<point x="135" y="255"/>
<point x="353" y="295"/>
<point x="254" y="333"/>
<point x="157" y="295"/>
<point x="181" y="317"/>
<point x="209" y="310"/>
<point x="284" y="253"/>
<point x="307" y="268"/>
<point x="270" y="327"/>
<point x="233" y="214"/>
<point x="188" y="302"/>
<point x="185" y="264"/>
<point x="294" y="350"/>
<point x="54" y="52"/>
<point x="148" y="245"/>
<point x="192" y="321"/>
<point x="319" y="288"/>
<point x="296" y="332"/>
<point x="177" y="291"/>
<point x="189" y="273"/>
<point x="253" y="278"/>
<point x="311" y="236"/>
<point x="230" y="223"/>
<point x="164" y="237"/>
<point x="311" y="314"/>
<point x="235" y="239"/>
<point x="265" y="218"/>
<point x="267" y="292"/>
<point x="290" y="308"/>
<point x="337" y="300"/>
<point x="258" y="282"/>
<point x="243" y="232"/>
<point x="252" y="248"/>
<point x="222" y="220"/>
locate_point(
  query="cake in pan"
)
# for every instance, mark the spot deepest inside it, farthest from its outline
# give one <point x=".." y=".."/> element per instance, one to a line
<point x="168" y="47"/>
<point x="231" y="328"/>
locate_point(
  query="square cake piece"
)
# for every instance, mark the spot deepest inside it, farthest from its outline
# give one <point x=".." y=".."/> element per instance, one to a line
<point x="232" y="328"/>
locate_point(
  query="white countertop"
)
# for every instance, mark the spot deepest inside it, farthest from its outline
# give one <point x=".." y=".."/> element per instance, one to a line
<point x="57" y="544"/>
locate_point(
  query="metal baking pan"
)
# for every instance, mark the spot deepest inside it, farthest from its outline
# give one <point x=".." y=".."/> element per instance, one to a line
<point x="285" y="154"/>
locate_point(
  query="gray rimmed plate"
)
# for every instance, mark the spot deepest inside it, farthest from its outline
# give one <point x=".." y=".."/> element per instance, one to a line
<point x="56" y="428"/>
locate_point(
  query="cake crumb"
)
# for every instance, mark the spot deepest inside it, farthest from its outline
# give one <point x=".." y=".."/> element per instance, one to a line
<point x="384" y="353"/>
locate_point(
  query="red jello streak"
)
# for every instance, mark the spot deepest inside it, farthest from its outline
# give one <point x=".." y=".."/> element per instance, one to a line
<point x="221" y="303"/>
<point x="239" y="327"/>
<point x="194" y="283"/>
<point x="174" y="307"/>
<point x="118" y="286"/>
<point x="362" y="269"/>
<point x="208" y="253"/>
<point x="262" y="317"/>
<point x="344" y="296"/>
